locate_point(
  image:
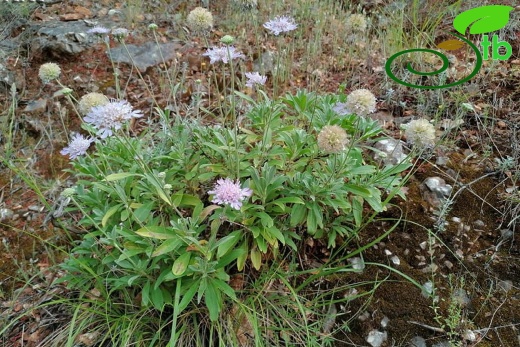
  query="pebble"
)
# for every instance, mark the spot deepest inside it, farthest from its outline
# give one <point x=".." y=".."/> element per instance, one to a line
<point x="417" y="341"/>
<point x="456" y="219"/>
<point x="427" y="289"/>
<point x="384" y="322"/>
<point x="5" y="213"/>
<point x="35" y="208"/>
<point x="460" y="296"/>
<point x="505" y="285"/>
<point x="395" y="259"/>
<point x="479" y="224"/>
<point x="376" y="338"/>
<point x="357" y="264"/>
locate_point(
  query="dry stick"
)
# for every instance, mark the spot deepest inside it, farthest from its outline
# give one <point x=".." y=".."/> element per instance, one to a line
<point x="438" y="330"/>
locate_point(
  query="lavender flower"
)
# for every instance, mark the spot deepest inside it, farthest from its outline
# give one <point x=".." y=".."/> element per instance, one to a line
<point x="111" y="116"/>
<point x="281" y="24"/>
<point x="223" y="54"/>
<point x="255" y="78"/>
<point x="98" y="31"/>
<point x="77" y="146"/>
<point x="227" y="192"/>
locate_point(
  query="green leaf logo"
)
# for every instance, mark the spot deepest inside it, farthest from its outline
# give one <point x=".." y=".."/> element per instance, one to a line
<point x="482" y="19"/>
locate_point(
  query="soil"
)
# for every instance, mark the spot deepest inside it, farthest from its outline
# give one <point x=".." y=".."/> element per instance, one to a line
<point x="470" y="247"/>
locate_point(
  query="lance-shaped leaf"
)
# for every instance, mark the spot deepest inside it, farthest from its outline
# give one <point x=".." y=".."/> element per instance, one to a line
<point x="483" y="19"/>
<point x="450" y="45"/>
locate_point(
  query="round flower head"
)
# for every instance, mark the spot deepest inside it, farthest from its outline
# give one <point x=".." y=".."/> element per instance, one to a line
<point x="200" y="20"/>
<point x="77" y="146"/>
<point x="281" y="24"/>
<point x="356" y="23"/>
<point x="332" y="139"/>
<point x="361" y="102"/>
<point x="222" y="54"/>
<point x="90" y="100"/>
<point x="255" y="78"/>
<point x="227" y="39"/>
<point x="227" y="192"/>
<point x="120" y="33"/>
<point x="68" y="192"/>
<point x="111" y="116"/>
<point x="420" y="133"/>
<point x="49" y="72"/>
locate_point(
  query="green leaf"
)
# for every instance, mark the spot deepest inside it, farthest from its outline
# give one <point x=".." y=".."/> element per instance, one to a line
<point x="167" y="246"/>
<point x="274" y="231"/>
<point x="157" y="232"/>
<point x="213" y="301"/>
<point x="227" y="242"/>
<point x="206" y="211"/>
<point x="110" y="213"/>
<point x="256" y="259"/>
<point x="224" y="288"/>
<point x="181" y="264"/>
<point x="145" y="294"/>
<point x="358" y="190"/>
<point x="188" y="296"/>
<point x="483" y="19"/>
<point x="119" y="176"/>
<point x="241" y="260"/>
<point x="297" y="214"/>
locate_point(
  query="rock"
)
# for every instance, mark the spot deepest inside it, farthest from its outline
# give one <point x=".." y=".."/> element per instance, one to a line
<point x="391" y="151"/>
<point x="434" y="191"/>
<point x="5" y="213"/>
<point x="36" y="106"/>
<point x="460" y="297"/>
<point x="376" y="338"/>
<point x="58" y="38"/>
<point x="146" y="55"/>
<point x="442" y="344"/>
<point x="505" y="285"/>
<point x="417" y="341"/>
<point x="357" y="264"/>
<point x="6" y="79"/>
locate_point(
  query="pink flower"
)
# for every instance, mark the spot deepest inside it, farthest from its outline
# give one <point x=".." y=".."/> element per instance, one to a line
<point x="281" y="24"/>
<point x="227" y="192"/>
<point x="223" y="54"/>
<point x="255" y="78"/>
<point x="78" y="146"/>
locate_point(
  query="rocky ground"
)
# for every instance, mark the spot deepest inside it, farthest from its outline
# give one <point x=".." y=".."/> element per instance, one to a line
<point x="474" y="240"/>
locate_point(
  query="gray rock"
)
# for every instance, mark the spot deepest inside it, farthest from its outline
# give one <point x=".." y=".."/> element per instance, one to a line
<point x="505" y="285"/>
<point x="417" y="341"/>
<point x="146" y="55"/>
<point x="434" y="190"/>
<point x="376" y="338"/>
<point x="6" y="213"/>
<point x="6" y="78"/>
<point x="36" y="106"/>
<point x="391" y="151"/>
<point x="460" y="296"/>
<point x="59" y="38"/>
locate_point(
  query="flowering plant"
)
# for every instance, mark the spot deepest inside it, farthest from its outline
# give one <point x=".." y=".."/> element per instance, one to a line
<point x="176" y="213"/>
